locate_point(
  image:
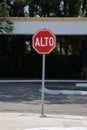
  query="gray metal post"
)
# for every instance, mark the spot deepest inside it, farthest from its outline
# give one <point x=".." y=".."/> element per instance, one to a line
<point x="43" y="83"/>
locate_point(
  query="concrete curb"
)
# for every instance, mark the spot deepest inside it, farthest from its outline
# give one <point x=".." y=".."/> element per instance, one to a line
<point x="26" y="121"/>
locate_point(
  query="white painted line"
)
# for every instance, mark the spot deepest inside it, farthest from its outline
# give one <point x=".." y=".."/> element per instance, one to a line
<point x="39" y="80"/>
<point x="65" y="92"/>
<point x="81" y="85"/>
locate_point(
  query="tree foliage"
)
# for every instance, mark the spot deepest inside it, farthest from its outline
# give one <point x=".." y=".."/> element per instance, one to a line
<point x="4" y="10"/>
<point x="44" y="8"/>
<point x="6" y="26"/>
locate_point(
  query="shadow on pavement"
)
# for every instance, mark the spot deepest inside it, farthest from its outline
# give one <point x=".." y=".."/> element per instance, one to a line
<point x="28" y="92"/>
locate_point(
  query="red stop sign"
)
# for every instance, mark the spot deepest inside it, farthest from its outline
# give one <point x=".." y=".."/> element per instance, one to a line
<point x="44" y="41"/>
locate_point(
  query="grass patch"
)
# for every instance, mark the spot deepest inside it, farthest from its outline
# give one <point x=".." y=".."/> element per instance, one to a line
<point x="66" y="88"/>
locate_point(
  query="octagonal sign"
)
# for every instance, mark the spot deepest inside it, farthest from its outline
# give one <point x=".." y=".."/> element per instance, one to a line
<point x="44" y="41"/>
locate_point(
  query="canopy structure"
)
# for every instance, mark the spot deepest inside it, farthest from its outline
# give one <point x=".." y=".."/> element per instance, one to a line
<point x="59" y="26"/>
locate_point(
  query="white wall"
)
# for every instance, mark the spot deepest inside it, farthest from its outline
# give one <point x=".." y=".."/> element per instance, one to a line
<point x="59" y="26"/>
<point x="64" y="28"/>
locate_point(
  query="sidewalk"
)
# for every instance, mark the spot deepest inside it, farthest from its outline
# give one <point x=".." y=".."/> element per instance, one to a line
<point x="21" y="121"/>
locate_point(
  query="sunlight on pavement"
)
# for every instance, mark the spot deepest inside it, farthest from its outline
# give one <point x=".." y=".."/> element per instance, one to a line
<point x="60" y="128"/>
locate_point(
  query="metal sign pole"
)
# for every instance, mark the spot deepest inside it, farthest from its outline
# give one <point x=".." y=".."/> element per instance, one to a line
<point x="43" y="83"/>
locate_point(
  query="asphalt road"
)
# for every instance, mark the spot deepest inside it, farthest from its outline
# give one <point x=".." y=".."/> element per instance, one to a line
<point x="26" y="97"/>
